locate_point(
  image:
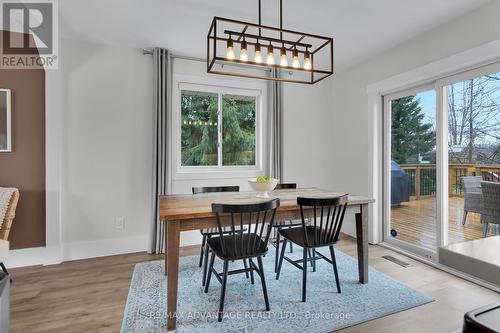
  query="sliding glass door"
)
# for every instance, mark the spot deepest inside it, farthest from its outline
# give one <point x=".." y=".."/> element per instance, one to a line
<point x="410" y="164"/>
<point x="473" y="111"/>
<point x="441" y="141"/>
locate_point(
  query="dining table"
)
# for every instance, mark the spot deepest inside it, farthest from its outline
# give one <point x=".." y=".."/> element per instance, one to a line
<point x="194" y="212"/>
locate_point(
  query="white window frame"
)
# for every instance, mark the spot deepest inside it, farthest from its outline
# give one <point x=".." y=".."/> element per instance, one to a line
<point x="220" y="87"/>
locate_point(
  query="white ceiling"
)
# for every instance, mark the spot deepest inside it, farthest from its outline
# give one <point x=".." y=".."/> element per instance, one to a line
<point x="361" y="28"/>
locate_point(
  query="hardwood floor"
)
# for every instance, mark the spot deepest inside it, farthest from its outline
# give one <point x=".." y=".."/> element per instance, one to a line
<point x="415" y="222"/>
<point x="90" y="295"/>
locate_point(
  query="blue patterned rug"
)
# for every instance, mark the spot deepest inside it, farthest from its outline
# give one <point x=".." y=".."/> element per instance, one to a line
<point x="324" y="311"/>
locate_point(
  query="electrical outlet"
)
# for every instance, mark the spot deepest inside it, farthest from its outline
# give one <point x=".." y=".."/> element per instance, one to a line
<point x="120" y="222"/>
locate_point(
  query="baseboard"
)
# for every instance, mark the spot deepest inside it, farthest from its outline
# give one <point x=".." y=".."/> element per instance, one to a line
<point x="104" y="247"/>
<point x="76" y="251"/>
<point x="26" y="257"/>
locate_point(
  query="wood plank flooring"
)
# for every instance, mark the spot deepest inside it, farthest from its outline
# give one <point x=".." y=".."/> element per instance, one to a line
<point x="415" y="222"/>
<point x="90" y="295"/>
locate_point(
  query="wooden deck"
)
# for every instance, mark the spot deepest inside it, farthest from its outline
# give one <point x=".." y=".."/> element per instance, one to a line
<point x="415" y="222"/>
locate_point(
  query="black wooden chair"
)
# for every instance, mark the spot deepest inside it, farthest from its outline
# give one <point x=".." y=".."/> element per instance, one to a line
<point x="209" y="232"/>
<point x="328" y="218"/>
<point x="258" y="219"/>
<point x="285" y="224"/>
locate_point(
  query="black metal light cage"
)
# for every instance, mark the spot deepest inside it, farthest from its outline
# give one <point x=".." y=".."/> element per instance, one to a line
<point x="222" y="30"/>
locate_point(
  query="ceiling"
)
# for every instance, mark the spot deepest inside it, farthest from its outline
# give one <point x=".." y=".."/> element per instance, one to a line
<point x="361" y="28"/>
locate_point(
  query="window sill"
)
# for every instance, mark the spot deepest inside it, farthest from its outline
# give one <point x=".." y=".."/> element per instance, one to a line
<point x="189" y="174"/>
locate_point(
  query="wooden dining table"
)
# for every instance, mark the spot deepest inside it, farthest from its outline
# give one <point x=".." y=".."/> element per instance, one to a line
<point x="194" y="212"/>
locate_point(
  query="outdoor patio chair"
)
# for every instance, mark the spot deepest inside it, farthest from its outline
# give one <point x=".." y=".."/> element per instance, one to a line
<point x="491" y="205"/>
<point x="473" y="197"/>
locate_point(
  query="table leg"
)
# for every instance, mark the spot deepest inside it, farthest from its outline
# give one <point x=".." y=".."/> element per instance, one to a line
<point x="172" y="263"/>
<point x="165" y="247"/>
<point x="362" y="240"/>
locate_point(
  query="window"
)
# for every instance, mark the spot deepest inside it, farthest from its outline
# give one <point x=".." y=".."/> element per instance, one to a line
<point x="218" y="127"/>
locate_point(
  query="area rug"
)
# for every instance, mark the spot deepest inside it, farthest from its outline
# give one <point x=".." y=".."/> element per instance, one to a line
<point x="324" y="311"/>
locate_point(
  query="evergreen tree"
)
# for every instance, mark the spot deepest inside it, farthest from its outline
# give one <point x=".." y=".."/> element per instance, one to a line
<point x="199" y="133"/>
<point x="411" y="137"/>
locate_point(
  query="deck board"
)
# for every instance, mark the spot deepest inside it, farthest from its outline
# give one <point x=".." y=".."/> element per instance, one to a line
<point x="415" y="222"/>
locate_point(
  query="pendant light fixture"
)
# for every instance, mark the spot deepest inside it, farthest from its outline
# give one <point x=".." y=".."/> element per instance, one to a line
<point x="244" y="51"/>
<point x="311" y="55"/>
<point x="270" y="55"/>
<point x="230" y="49"/>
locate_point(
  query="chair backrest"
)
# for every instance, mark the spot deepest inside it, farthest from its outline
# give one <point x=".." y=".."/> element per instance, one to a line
<point x="211" y="189"/>
<point x="491" y="202"/>
<point x="257" y="218"/>
<point x="472" y="184"/>
<point x="327" y="221"/>
<point x="284" y="186"/>
<point x="9" y="216"/>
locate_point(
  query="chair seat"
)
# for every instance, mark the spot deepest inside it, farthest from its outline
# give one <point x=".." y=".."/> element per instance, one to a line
<point x="233" y="250"/>
<point x="215" y="231"/>
<point x="296" y="235"/>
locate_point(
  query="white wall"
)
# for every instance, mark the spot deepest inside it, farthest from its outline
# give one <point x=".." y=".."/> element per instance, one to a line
<point x="107" y="148"/>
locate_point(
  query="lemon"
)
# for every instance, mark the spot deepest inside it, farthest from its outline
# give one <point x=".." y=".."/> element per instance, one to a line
<point x="260" y="179"/>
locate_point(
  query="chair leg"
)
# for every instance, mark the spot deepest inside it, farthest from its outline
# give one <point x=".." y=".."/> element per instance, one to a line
<point x="485" y="229"/>
<point x="263" y="280"/>
<point x="314" y="259"/>
<point x="202" y="249"/>
<point x="205" y="264"/>
<point x="223" y="291"/>
<point x="210" y="268"/>
<point x="304" y="274"/>
<point x="464" y="219"/>
<point x="277" y="253"/>
<point x="251" y="270"/>
<point x="291" y="245"/>
<point x="283" y="248"/>
<point x="246" y="267"/>
<point x="335" y="271"/>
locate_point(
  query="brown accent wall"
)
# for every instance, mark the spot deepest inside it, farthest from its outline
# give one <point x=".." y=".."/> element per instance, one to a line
<point x="24" y="167"/>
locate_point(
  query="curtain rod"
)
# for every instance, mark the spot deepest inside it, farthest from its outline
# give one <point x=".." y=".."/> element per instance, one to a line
<point x="178" y="56"/>
<point x="150" y="52"/>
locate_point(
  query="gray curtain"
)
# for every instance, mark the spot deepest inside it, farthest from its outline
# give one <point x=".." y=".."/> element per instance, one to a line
<point x="162" y="74"/>
<point x="275" y="129"/>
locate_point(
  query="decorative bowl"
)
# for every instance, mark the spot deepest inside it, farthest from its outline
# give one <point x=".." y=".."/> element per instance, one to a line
<point x="263" y="187"/>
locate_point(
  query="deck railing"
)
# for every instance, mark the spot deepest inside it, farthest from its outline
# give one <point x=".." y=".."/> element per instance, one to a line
<point x="422" y="177"/>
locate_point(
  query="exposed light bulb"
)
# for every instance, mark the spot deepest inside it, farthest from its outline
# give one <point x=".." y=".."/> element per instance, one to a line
<point x="230" y="49"/>
<point x="243" y="51"/>
<point x="258" y="56"/>
<point x="307" y="60"/>
<point x="283" y="57"/>
<point x="270" y="55"/>
<point x="295" y="59"/>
